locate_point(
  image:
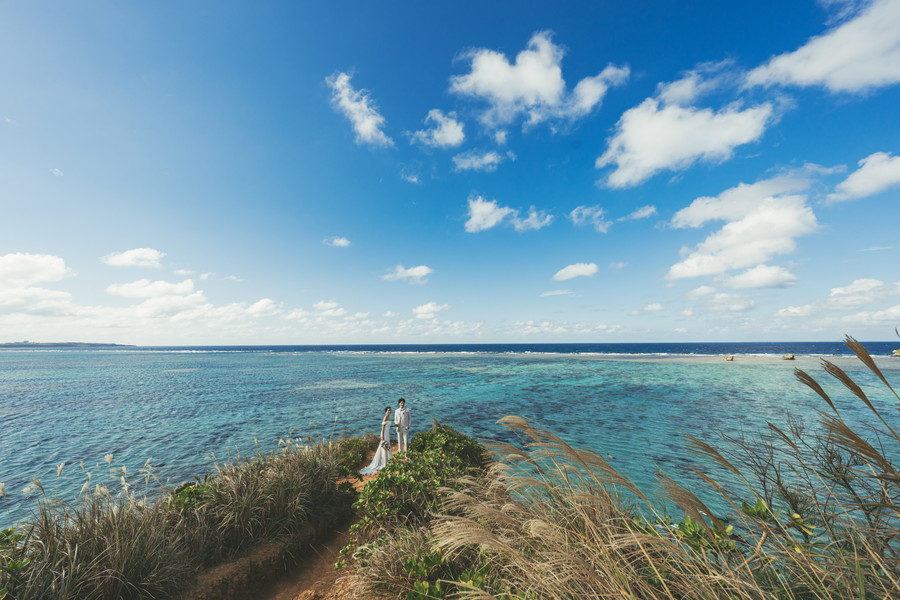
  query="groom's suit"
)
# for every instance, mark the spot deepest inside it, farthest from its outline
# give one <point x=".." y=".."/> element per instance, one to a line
<point x="403" y="420"/>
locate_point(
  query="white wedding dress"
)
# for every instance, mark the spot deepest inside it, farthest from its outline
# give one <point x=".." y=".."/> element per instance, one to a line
<point x="383" y="454"/>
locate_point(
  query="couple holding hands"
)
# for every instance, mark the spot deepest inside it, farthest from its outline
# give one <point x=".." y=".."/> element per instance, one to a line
<point x="401" y="421"/>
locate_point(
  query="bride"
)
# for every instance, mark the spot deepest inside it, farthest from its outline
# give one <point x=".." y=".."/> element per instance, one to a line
<point x="383" y="455"/>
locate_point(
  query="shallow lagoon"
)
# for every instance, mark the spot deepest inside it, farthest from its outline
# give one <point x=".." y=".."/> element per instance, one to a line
<point x="177" y="407"/>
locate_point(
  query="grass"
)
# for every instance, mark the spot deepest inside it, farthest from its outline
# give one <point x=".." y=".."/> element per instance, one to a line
<point x="817" y="517"/>
<point x="130" y="545"/>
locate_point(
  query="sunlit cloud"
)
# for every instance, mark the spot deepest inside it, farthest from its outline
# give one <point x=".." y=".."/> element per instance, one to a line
<point x="359" y="108"/>
<point x="137" y="257"/>
<point x="576" y="270"/>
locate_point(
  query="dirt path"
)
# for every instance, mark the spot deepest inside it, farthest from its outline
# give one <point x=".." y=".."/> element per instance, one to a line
<point x="315" y="578"/>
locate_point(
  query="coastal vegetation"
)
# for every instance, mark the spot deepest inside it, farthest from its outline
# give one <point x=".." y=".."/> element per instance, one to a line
<point x="125" y="543"/>
<point x="817" y="516"/>
<point x="802" y="513"/>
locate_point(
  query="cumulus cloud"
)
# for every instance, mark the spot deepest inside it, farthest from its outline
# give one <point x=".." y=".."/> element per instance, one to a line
<point x="22" y="269"/>
<point x="795" y="311"/>
<point x="359" y="108"/>
<point x="137" y="257"/>
<point x="329" y="308"/>
<point x="412" y="275"/>
<point x="429" y="310"/>
<point x="762" y="276"/>
<point x="145" y="288"/>
<point x="641" y="213"/>
<point x="855" y="56"/>
<point x="860" y="292"/>
<point x="593" y="215"/>
<point x="337" y="242"/>
<point x="477" y="161"/>
<point x="655" y="136"/>
<point x="485" y="214"/>
<point x="876" y="173"/>
<point x="446" y="132"/>
<point x="533" y="85"/>
<point x="738" y="202"/>
<point x="576" y="270"/>
<point x="763" y="220"/>
<point x="563" y="328"/>
<point x="536" y="219"/>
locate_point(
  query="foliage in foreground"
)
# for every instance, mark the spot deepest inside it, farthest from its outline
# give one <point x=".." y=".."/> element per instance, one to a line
<point x="122" y="546"/>
<point x="552" y="521"/>
<point x="818" y="517"/>
<point x="390" y="543"/>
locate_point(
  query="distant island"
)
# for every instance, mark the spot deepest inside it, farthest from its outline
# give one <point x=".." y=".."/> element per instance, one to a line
<point x="27" y="344"/>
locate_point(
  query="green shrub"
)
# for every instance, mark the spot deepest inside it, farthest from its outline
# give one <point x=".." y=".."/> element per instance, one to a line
<point x="408" y="490"/>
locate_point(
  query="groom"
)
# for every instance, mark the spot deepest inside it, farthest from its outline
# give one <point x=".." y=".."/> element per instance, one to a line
<point x="403" y="420"/>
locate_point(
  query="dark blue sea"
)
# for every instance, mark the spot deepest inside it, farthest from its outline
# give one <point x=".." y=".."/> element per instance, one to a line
<point x="63" y="410"/>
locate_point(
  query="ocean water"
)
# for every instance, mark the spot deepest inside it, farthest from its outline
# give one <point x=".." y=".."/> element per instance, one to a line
<point x="633" y="403"/>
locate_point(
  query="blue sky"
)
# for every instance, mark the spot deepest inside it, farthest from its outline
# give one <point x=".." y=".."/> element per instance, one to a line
<point x="226" y="172"/>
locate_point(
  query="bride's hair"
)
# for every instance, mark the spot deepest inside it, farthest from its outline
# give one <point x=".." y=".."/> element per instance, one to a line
<point x="387" y="409"/>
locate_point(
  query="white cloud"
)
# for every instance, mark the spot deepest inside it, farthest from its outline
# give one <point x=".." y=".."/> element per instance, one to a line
<point x="389" y="315"/>
<point x="412" y="275"/>
<point x="641" y="213"/>
<point x="533" y="85"/>
<point x="877" y="172"/>
<point x="263" y="308"/>
<point x="653" y="136"/>
<point x="234" y="278"/>
<point x="410" y="177"/>
<point x="358" y="107"/>
<point x="325" y="305"/>
<point x="145" y="288"/>
<point x="484" y="214"/>
<point x="183" y="272"/>
<point x="701" y="292"/>
<point x="593" y="215"/>
<point x="500" y="137"/>
<point x="858" y="55"/>
<point x="22" y="269"/>
<point x="429" y="310"/>
<point x="738" y="202"/>
<point x="875" y="249"/>
<point x="563" y="328"/>
<point x="618" y="265"/>
<point x="558" y="293"/>
<point x="446" y="133"/>
<point x="536" y="219"/>
<point x="859" y="292"/>
<point x="762" y="221"/>
<point x="576" y="270"/>
<point x="56" y="173"/>
<point x="476" y="161"/>
<point x="796" y="311"/>
<point x="889" y="315"/>
<point x="762" y="276"/>
<point x="654" y="307"/>
<point x="337" y="242"/>
<point x="722" y="302"/>
<point x="137" y="257"/>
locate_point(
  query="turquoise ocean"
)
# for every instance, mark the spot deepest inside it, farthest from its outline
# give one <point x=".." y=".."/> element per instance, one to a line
<point x="633" y="403"/>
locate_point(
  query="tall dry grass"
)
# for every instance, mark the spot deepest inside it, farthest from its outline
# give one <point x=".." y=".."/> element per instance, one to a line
<point x="129" y="544"/>
<point x="817" y="516"/>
